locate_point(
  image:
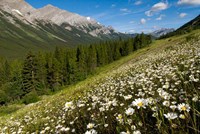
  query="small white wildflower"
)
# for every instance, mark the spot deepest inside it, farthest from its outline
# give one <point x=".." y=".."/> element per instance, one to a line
<point x="92" y="131"/>
<point x="90" y="125"/>
<point x="133" y="127"/>
<point x="155" y="114"/>
<point x="119" y="118"/>
<point x="140" y="124"/>
<point x="195" y="98"/>
<point x="166" y="103"/>
<point x="130" y="111"/>
<point x="128" y="97"/>
<point x="68" y="105"/>
<point x="105" y="125"/>
<point x="136" y="132"/>
<point x="170" y="116"/>
<point x="73" y="130"/>
<point x="173" y="107"/>
<point x="129" y="121"/>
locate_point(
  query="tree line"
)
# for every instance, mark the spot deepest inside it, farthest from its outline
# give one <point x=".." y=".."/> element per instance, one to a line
<point x="46" y="72"/>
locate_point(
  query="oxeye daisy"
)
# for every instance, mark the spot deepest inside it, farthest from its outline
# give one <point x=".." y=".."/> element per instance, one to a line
<point x="139" y="103"/>
<point x="183" y="107"/>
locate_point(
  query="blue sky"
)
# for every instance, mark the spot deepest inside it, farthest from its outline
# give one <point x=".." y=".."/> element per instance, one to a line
<point x="130" y="15"/>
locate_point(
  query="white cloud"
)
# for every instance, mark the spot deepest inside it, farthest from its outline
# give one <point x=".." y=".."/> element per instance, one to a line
<point x="160" y="17"/>
<point x="188" y="2"/>
<point x="182" y="15"/>
<point x="124" y="10"/>
<point x="157" y="7"/>
<point x="138" y="2"/>
<point x="142" y="21"/>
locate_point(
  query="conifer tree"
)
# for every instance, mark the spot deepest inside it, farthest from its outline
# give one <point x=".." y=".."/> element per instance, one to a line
<point x="81" y="63"/>
<point x="71" y="66"/>
<point x="92" y="58"/>
<point x="30" y="74"/>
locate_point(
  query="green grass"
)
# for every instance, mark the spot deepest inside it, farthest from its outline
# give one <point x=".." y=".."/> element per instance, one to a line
<point x="5" y="110"/>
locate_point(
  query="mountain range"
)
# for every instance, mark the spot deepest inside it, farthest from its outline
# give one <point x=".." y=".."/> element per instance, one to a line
<point x="161" y="32"/>
<point x="25" y="28"/>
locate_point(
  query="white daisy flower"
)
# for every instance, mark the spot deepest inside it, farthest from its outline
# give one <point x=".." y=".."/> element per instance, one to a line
<point x="140" y="103"/>
<point x="183" y="107"/>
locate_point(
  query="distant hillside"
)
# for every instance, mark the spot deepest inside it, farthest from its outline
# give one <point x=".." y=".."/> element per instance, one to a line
<point x="191" y="25"/>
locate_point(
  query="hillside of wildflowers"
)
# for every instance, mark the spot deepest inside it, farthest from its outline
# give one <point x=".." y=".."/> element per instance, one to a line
<point x="157" y="92"/>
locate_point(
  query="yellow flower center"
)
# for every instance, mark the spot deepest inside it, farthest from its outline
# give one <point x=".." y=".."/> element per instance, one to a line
<point x="140" y="104"/>
<point x="120" y="116"/>
<point x="183" y="108"/>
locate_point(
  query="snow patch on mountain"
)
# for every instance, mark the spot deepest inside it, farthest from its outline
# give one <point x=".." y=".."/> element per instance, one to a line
<point x="17" y="11"/>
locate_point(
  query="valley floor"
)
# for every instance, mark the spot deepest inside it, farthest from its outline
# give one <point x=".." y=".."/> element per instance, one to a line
<point x="153" y="90"/>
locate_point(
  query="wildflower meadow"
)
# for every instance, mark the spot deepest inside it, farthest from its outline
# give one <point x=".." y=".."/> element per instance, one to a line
<point x="157" y="92"/>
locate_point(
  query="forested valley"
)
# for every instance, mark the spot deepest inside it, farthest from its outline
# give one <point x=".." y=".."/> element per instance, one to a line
<point x="43" y="73"/>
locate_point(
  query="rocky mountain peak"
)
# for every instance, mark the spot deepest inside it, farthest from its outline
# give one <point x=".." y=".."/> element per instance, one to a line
<point x="16" y="5"/>
<point x="51" y="14"/>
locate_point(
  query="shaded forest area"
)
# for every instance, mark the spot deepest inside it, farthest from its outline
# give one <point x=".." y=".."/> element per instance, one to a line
<point x="44" y="73"/>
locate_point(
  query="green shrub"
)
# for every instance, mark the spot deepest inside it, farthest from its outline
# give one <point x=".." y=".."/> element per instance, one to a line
<point x="31" y="97"/>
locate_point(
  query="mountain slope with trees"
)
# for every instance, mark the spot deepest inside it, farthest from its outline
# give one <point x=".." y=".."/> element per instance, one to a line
<point x="186" y="28"/>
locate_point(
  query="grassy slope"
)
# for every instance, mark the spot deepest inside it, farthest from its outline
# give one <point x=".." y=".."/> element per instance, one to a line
<point x="77" y="90"/>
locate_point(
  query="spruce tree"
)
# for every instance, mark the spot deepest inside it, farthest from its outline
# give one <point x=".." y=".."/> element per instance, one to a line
<point x="81" y="59"/>
<point x="30" y="74"/>
<point x="92" y="58"/>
